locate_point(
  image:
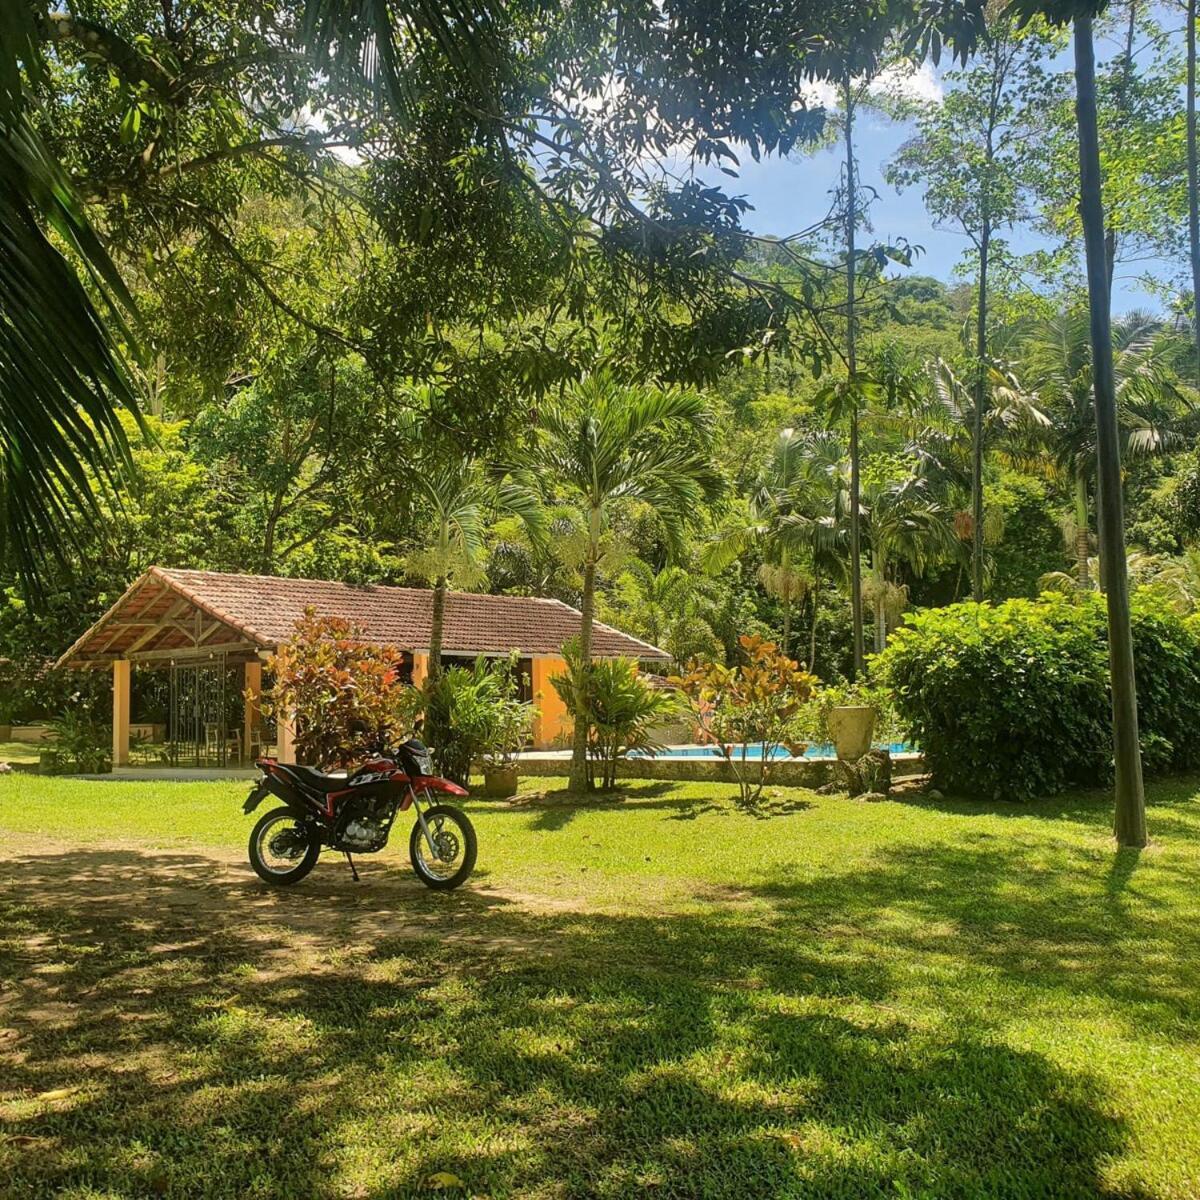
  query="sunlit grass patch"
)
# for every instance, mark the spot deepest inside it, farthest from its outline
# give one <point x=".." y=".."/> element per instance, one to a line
<point x="658" y="997"/>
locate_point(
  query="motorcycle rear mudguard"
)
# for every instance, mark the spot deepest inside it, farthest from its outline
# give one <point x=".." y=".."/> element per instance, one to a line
<point x="270" y="786"/>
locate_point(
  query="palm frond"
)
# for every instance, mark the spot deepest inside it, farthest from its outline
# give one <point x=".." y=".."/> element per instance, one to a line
<point x="62" y="377"/>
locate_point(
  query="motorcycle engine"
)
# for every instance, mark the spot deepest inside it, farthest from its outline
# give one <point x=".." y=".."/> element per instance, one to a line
<point x="367" y="825"/>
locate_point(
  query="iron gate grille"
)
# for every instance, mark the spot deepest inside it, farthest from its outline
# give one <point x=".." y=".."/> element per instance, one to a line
<point x="198" y="733"/>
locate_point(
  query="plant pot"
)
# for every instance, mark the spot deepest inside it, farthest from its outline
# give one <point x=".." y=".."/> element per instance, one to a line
<point x="851" y="728"/>
<point x="500" y="782"/>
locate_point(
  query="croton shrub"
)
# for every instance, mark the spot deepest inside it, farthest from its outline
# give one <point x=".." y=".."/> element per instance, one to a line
<point x="1012" y="700"/>
<point x="750" y="704"/>
<point x="345" y="693"/>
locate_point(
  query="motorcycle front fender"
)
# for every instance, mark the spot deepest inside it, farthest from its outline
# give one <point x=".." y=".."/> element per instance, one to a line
<point x="433" y="783"/>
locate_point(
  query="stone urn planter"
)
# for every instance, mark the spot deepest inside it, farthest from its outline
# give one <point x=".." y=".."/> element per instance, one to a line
<point x="500" y="782"/>
<point x="851" y="728"/>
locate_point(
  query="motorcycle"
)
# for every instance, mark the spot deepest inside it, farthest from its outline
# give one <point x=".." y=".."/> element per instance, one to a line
<point x="354" y="814"/>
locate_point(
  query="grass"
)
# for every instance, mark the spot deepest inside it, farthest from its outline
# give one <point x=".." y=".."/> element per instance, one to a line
<point x="659" y="997"/>
<point x="22" y="752"/>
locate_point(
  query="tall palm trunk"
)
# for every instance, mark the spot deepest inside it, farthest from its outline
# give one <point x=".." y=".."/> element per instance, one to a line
<point x="581" y="776"/>
<point x="977" y="422"/>
<point x="1082" y="571"/>
<point x="786" y="579"/>
<point x="437" y="624"/>
<point x="1130" y="816"/>
<point x="1193" y="177"/>
<point x="816" y="597"/>
<point x="856" y="604"/>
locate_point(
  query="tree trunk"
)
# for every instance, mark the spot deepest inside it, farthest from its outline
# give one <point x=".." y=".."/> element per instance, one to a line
<point x="880" y="623"/>
<point x="1082" y="571"/>
<point x="856" y="604"/>
<point x="787" y="618"/>
<point x="1130" y="816"/>
<point x="436" y="625"/>
<point x="581" y="776"/>
<point x="980" y="403"/>
<point x="816" y="595"/>
<point x="1193" y="176"/>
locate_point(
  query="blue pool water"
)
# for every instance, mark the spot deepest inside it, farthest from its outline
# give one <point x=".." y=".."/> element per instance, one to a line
<point x="755" y="751"/>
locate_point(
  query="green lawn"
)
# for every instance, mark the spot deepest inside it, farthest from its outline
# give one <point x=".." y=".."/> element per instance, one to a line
<point x="22" y="752"/>
<point x="660" y="997"/>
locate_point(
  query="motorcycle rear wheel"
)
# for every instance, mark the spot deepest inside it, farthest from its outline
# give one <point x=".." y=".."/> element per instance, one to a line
<point x="281" y="838"/>
<point x="457" y="847"/>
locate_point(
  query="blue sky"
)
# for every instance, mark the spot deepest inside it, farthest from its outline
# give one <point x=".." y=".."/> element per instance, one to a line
<point x="793" y="194"/>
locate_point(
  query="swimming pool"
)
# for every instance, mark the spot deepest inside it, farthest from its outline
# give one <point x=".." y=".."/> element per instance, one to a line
<point x="755" y="751"/>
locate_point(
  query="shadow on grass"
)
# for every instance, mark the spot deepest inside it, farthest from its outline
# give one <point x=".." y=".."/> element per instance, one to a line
<point x="227" y="1040"/>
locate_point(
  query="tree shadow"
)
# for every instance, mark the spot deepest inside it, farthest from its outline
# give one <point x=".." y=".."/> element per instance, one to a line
<point x="230" y="1040"/>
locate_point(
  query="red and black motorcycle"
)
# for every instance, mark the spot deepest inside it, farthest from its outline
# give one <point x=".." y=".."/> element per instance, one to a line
<point x="354" y="814"/>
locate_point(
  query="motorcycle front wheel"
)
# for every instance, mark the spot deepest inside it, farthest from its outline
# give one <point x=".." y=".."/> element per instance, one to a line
<point x="283" y="849"/>
<point x="451" y="859"/>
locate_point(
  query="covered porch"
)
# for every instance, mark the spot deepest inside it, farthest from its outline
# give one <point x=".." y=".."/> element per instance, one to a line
<point x="186" y="683"/>
<point x="187" y="653"/>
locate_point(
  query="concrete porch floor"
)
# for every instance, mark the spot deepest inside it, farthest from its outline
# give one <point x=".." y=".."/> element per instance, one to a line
<point x="177" y="773"/>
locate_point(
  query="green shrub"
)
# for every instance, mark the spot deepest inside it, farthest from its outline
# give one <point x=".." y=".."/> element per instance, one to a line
<point x="80" y="744"/>
<point x="1012" y="701"/>
<point x="474" y="712"/>
<point x="622" y="709"/>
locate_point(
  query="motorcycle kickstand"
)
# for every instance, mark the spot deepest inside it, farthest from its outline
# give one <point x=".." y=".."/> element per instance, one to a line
<point x="352" y="869"/>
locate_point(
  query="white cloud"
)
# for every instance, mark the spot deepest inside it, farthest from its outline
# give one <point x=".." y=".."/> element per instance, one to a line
<point x="919" y="85"/>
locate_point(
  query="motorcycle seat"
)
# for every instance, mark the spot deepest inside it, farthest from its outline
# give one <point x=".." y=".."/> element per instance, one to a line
<point x="314" y="780"/>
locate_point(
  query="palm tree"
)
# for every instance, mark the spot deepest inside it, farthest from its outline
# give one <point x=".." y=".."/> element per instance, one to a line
<point x="795" y="515"/>
<point x="906" y="527"/>
<point x="602" y="442"/>
<point x="1130" y="816"/>
<point x="675" y="608"/>
<point x="62" y="378"/>
<point x="1152" y="410"/>
<point x="462" y="494"/>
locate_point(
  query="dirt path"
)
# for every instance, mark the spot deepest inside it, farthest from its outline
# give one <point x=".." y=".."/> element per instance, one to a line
<point x="202" y="892"/>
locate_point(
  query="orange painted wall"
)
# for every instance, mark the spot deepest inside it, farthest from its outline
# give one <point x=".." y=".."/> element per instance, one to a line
<point x="420" y="669"/>
<point x="553" y="726"/>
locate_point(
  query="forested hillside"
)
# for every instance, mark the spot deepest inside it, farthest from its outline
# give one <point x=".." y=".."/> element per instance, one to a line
<point x="337" y="316"/>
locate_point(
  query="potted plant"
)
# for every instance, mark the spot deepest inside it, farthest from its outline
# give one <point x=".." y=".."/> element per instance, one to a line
<point x="508" y="733"/>
<point x="850" y="714"/>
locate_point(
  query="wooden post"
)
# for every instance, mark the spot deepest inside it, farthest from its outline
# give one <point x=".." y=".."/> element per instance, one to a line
<point x="252" y="691"/>
<point x="285" y="737"/>
<point x="553" y="724"/>
<point x="120" y="719"/>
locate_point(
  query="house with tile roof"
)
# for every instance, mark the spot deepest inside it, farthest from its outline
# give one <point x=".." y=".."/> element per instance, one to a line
<point x="204" y="628"/>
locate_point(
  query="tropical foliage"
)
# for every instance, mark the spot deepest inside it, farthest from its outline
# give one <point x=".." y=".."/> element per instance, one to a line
<point x="341" y="695"/>
<point x="747" y="710"/>
<point x="621" y="710"/>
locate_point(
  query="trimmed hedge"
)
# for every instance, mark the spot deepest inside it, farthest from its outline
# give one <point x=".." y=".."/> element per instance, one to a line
<point x="1012" y="700"/>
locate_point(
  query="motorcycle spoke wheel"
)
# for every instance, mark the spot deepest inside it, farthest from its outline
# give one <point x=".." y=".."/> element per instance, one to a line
<point x="282" y="849"/>
<point x="451" y="858"/>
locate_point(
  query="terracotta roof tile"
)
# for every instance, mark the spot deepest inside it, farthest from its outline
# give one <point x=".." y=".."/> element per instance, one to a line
<point x="265" y="608"/>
